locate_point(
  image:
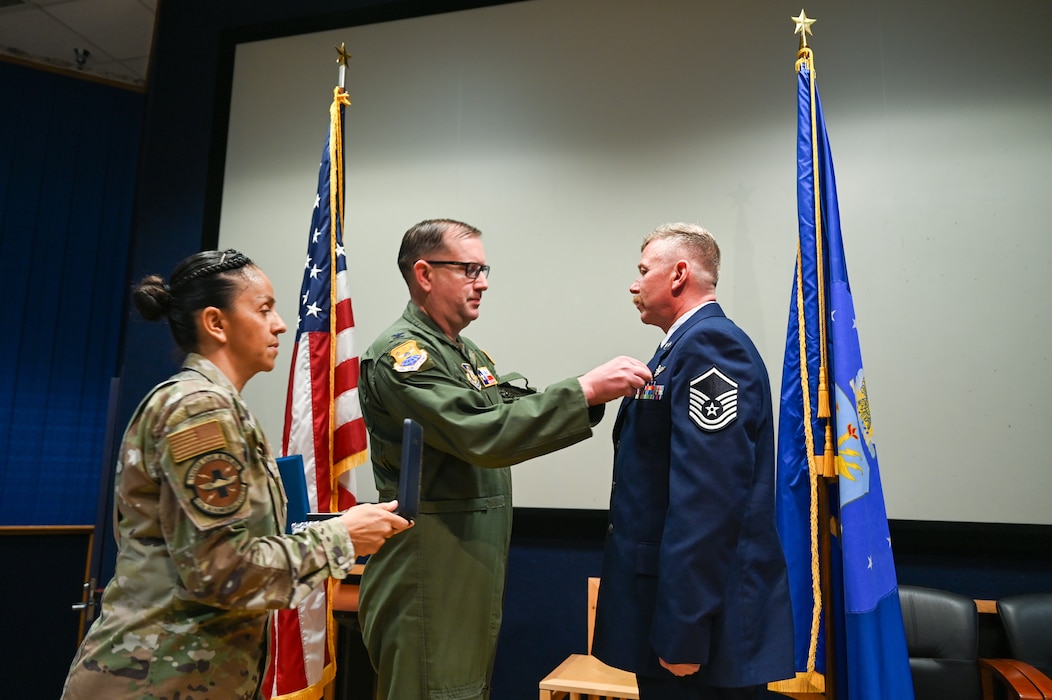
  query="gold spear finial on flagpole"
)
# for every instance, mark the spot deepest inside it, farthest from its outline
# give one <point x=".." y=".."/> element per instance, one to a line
<point x="342" y="57"/>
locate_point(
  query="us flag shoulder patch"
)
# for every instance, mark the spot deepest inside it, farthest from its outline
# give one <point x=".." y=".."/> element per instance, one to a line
<point x="196" y="440"/>
<point x="713" y="400"/>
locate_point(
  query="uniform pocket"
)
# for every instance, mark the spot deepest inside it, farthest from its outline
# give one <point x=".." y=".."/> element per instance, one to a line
<point x="647" y="556"/>
<point x="463" y="505"/>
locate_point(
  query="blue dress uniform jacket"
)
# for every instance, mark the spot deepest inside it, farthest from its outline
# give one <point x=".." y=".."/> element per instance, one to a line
<point x="693" y="570"/>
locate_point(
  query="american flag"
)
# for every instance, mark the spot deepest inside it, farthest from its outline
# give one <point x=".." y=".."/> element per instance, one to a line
<point x="323" y="421"/>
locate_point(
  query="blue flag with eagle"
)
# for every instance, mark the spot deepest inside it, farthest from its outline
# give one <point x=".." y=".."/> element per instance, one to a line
<point x="822" y="343"/>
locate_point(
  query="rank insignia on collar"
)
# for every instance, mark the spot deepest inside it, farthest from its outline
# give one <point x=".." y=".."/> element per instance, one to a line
<point x="216" y="482"/>
<point x="713" y="400"/>
<point x="469" y="372"/>
<point x="408" y="357"/>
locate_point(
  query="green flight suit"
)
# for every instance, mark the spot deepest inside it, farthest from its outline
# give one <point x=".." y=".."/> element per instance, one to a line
<point x="431" y="598"/>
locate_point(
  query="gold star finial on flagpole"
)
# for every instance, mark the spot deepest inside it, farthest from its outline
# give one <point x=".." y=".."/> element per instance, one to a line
<point x="803" y="27"/>
<point x="341" y="58"/>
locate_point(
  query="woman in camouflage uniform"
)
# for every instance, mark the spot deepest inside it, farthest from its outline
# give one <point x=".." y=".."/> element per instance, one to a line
<point x="200" y="511"/>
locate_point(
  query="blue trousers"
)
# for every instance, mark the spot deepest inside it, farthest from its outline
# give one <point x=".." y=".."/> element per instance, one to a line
<point x="689" y="688"/>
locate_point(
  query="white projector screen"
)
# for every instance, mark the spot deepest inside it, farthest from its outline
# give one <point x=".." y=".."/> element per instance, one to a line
<point x="568" y="129"/>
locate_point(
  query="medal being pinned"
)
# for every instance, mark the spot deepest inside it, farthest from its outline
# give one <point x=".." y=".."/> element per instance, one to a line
<point x="650" y="392"/>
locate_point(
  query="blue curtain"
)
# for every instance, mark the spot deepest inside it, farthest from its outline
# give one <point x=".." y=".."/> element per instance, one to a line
<point x="68" y="155"/>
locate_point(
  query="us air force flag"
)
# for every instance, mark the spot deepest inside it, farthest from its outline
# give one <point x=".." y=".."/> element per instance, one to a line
<point x="872" y="661"/>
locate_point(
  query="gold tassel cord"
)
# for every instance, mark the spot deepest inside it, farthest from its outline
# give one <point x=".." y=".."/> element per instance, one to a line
<point x="828" y="463"/>
<point x="336" y="199"/>
<point x="816" y="469"/>
<point x="339" y="98"/>
<point x="808" y="680"/>
<point x="804" y="57"/>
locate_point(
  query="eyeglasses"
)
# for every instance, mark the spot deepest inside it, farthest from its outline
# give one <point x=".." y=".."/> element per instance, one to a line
<point x="472" y="270"/>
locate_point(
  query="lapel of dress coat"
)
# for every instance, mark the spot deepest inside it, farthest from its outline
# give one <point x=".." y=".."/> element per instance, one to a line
<point x="708" y="311"/>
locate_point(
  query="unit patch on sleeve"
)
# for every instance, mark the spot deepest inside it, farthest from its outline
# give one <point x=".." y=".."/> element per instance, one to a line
<point x="713" y="400"/>
<point x="408" y="357"/>
<point x="216" y="482"/>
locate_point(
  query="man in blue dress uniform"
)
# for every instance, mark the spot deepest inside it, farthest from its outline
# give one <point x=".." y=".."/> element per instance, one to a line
<point x="694" y="596"/>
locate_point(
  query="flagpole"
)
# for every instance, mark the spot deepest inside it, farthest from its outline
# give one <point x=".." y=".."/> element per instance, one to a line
<point x="340" y="98"/>
<point x="825" y="464"/>
<point x="342" y="57"/>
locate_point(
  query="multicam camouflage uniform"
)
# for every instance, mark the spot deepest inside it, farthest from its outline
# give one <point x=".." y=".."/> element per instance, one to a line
<point x="431" y="598"/>
<point x="202" y="558"/>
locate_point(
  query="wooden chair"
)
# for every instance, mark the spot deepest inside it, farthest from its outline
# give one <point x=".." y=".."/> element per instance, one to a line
<point x="584" y="677"/>
<point x="1027" y="621"/>
<point x="943" y="641"/>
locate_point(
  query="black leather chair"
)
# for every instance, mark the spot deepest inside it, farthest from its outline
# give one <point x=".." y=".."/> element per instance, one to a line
<point x="1024" y="675"/>
<point x="1027" y="620"/>
<point x="942" y="638"/>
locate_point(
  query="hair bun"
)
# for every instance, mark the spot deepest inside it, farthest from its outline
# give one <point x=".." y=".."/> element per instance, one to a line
<point x="152" y="298"/>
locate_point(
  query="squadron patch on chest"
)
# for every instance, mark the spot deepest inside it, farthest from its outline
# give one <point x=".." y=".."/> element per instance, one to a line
<point x="469" y="372"/>
<point x="408" y="357"/>
<point x="196" y="440"/>
<point x="216" y="482"/>
<point x="713" y="400"/>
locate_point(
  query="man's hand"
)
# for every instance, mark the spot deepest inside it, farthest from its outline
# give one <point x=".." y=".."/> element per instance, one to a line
<point x="619" y="377"/>
<point x="680" y="669"/>
<point x="370" y="524"/>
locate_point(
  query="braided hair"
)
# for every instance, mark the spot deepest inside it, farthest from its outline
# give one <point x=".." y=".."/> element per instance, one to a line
<point x="208" y="278"/>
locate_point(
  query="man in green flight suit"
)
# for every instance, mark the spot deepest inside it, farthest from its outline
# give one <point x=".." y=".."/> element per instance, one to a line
<point x="431" y="599"/>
